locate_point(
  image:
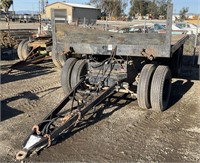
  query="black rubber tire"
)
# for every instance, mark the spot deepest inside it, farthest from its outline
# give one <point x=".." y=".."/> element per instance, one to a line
<point x="79" y="70"/>
<point x="144" y="85"/>
<point x="176" y="62"/>
<point x="19" y="49"/>
<point x="66" y="74"/>
<point x="25" y="50"/>
<point x="58" y="59"/>
<point x="161" y="88"/>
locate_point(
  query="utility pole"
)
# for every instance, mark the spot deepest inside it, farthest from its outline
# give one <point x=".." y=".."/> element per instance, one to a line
<point x="42" y="6"/>
<point x="47" y="2"/>
<point x="39" y="6"/>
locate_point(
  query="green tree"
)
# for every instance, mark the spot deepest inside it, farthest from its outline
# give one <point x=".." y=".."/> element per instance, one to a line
<point x="153" y="7"/>
<point x="138" y="7"/>
<point x="111" y="7"/>
<point x="5" y="5"/>
<point x="163" y="8"/>
<point x="183" y="12"/>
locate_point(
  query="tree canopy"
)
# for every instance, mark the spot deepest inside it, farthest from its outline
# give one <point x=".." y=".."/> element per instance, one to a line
<point x="5" y="5"/>
<point x="183" y="13"/>
<point x="152" y="7"/>
<point x="111" y="7"/>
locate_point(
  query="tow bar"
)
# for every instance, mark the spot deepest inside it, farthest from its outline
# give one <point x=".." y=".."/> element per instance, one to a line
<point x="59" y="122"/>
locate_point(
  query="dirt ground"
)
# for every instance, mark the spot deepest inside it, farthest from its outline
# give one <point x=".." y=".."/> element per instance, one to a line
<point x="17" y="25"/>
<point x="123" y="133"/>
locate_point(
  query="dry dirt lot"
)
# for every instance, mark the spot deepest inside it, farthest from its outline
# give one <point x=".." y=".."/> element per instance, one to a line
<point x="124" y="132"/>
<point x="17" y="25"/>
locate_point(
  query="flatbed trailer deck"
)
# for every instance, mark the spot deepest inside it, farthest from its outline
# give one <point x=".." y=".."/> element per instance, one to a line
<point x="177" y="41"/>
<point x="87" y="41"/>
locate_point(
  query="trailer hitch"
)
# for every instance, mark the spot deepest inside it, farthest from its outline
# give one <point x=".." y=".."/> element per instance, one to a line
<point x="32" y="58"/>
<point x="59" y="122"/>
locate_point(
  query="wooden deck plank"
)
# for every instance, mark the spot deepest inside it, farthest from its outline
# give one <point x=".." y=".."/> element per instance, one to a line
<point x="93" y="41"/>
<point x="177" y="41"/>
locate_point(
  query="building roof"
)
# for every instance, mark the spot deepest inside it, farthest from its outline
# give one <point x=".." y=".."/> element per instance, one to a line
<point x="80" y="5"/>
<point x="75" y="5"/>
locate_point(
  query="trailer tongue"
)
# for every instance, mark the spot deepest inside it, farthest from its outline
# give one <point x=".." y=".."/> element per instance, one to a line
<point x="58" y="122"/>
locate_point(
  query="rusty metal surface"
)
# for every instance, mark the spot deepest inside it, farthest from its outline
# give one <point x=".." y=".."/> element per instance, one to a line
<point x="87" y="41"/>
<point x="7" y="41"/>
<point x="92" y="41"/>
<point x="41" y="43"/>
<point x="14" y="36"/>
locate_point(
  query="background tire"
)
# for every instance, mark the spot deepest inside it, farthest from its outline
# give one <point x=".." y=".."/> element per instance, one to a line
<point x="144" y="85"/>
<point x="19" y="49"/>
<point x="58" y="59"/>
<point x="25" y="50"/>
<point x="66" y="74"/>
<point x="160" y="88"/>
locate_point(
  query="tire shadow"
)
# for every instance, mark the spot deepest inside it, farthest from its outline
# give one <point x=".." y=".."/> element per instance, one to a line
<point x="179" y="88"/>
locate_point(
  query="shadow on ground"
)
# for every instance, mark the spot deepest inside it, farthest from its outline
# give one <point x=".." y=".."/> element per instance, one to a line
<point x="26" y="72"/>
<point x="190" y="68"/>
<point x="110" y="105"/>
<point x="9" y="112"/>
<point x="179" y="88"/>
<point x="183" y="84"/>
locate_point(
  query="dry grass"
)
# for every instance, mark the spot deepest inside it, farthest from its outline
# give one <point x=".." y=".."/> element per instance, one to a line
<point x="197" y="22"/>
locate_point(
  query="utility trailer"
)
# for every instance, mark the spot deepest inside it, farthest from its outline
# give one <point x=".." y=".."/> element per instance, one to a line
<point x="11" y="38"/>
<point x="101" y="63"/>
<point x="37" y="45"/>
<point x="32" y="50"/>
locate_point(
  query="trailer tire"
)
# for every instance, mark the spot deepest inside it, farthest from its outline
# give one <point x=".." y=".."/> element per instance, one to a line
<point x="19" y="49"/>
<point x="66" y="74"/>
<point x="79" y="70"/>
<point x="144" y="86"/>
<point x="160" y="88"/>
<point x="25" y="50"/>
<point x="58" y="59"/>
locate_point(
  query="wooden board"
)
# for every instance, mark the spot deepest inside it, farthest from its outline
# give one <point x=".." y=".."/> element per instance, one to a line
<point x="92" y="41"/>
<point x="177" y="41"/>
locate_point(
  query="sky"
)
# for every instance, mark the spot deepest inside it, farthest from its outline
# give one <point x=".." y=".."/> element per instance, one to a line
<point x="194" y="5"/>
